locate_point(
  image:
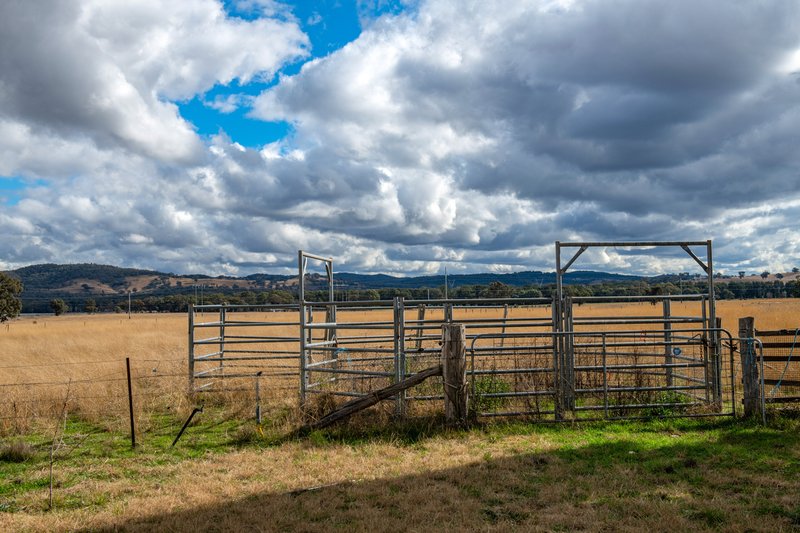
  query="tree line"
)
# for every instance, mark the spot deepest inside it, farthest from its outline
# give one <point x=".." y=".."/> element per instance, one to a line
<point x="179" y="302"/>
<point x="11" y="289"/>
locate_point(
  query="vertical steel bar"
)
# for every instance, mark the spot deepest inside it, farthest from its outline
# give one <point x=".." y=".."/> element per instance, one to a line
<point x="191" y="348"/>
<point x="222" y="318"/>
<point x="605" y="378"/>
<point x="667" y="339"/>
<point x="558" y="270"/>
<point x="763" y="391"/>
<point x="556" y="305"/>
<point x="398" y="406"/>
<point x="712" y="308"/>
<point x="706" y="373"/>
<point x="717" y="364"/>
<point x="733" y="379"/>
<point x="301" y="274"/>
<point x="569" y="364"/>
<point x="330" y="312"/>
<point x="401" y="326"/>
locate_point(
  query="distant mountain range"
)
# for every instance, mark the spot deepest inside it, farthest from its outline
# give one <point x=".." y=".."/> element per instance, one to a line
<point x="88" y="279"/>
<point x="110" y="285"/>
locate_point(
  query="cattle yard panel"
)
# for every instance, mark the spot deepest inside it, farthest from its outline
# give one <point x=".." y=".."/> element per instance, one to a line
<point x="541" y="358"/>
<point x="779" y="363"/>
<point x="232" y="344"/>
<point x="378" y="343"/>
<point x="643" y="362"/>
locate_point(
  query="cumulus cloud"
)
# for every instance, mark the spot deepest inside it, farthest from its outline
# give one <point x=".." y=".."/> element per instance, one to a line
<point x="102" y="76"/>
<point x="473" y="134"/>
<point x="609" y="120"/>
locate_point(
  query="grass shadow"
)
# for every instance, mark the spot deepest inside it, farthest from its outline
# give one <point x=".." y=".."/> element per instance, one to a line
<point x="605" y="478"/>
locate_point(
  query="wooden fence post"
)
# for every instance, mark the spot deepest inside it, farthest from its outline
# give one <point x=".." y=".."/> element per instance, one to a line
<point x="750" y="385"/>
<point x="454" y="373"/>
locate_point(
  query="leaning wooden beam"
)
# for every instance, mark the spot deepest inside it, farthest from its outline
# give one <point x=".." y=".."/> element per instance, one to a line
<point x="372" y="398"/>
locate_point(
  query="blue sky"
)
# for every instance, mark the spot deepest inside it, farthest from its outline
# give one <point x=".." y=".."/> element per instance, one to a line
<point x="329" y="26"/>
<point x="398" y="137"/>
<point x="9" y="189"/>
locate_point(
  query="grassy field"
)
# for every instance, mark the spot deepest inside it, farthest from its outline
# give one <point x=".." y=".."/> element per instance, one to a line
<point x="82" y="358"/>
<point x="659" y="476"/>
<point x="227" y="473"/>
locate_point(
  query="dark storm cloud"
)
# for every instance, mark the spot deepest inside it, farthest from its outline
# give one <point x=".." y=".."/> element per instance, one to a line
<point x="470" y="134"/>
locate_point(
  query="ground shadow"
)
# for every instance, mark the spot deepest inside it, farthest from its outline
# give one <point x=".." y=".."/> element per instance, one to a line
<point x="623" y="484"/>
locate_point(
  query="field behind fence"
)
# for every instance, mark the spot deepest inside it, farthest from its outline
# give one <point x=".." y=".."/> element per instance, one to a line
<point x="76" y="363"/>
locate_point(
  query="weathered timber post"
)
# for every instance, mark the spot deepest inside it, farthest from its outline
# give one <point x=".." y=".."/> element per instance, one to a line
<point x="747" y="350"/>
<point x="454" y="373"/>
<point x="420" y="322"/>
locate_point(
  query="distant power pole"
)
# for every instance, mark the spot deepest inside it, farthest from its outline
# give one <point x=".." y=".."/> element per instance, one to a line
<point x="445" y="283"/>
<point x="129" y="305"/>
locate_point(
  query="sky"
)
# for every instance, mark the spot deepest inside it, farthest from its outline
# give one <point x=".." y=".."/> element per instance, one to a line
<point x="398" y="136"/>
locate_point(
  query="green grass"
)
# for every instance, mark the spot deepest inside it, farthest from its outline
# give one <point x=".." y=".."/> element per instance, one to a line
<point x="704" y="474"/>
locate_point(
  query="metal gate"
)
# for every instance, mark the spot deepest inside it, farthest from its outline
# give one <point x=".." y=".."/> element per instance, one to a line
<point x="560" y="358"/>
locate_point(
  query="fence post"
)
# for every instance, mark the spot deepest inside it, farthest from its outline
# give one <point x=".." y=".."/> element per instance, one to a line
<point x="130" y="401"/>
<point x="258" y="396"/>
<point x="454" y="373"/>
<point x="420" y="330"/>
<point x="750" y="386"/>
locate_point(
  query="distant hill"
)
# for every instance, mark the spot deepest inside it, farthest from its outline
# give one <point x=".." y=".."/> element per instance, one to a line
<point x="515" y="279"/>
<point x="90" y="278"/>
<point x="78" y="282"/>
<point x="110" y="285"/>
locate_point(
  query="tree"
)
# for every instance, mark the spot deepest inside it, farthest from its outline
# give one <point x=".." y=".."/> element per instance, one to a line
<point x="497" y="289"/>
<point x="794" y="288"/>
<point x="280" y="297"/>
<point x="779" y="275"/>
<point x="765" y="274"/>
<point x="795" y="270"/>
<point x="58" y="306"/>
<point x="90" y="306"/>
<point x="741" y="274"/>
<point x="10" y="304"/>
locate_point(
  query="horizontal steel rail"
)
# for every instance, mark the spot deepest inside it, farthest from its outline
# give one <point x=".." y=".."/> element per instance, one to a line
<point x="616" y="407"/>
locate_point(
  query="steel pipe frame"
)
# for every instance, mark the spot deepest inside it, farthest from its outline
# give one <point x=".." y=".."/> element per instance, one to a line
<point x="717" y="331"/>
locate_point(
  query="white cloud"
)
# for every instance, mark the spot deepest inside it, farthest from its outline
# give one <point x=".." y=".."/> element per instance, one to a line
<point x="475" y="134"/>
<point x="99" y="76"/>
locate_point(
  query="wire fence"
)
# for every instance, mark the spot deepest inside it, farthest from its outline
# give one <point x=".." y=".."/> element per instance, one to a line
<point x="97" y="392"/>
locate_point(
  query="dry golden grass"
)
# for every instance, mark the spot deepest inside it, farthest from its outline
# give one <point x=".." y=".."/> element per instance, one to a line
<point x="82" y="357"/>
<point x="658" y="478"/>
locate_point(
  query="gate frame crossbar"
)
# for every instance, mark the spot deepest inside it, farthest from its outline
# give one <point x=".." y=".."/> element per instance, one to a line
<point x="563" y="319"/>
